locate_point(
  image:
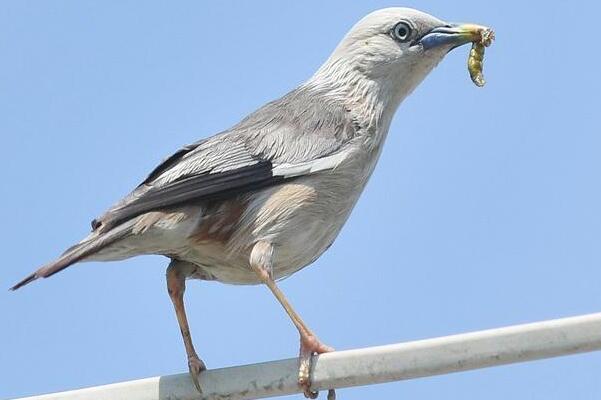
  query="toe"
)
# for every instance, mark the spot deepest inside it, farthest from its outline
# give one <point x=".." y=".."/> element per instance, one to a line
<point x="304" y="371"/>
<point x="323" y="348"/>
<point x="304" y="379"/>
<point x="196" y="366"/>
<point x="312" y="344"/>
<point x="310" y="394"/>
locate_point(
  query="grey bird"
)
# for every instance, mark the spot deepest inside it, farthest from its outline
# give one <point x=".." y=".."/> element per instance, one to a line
<point x="265" y="198"/>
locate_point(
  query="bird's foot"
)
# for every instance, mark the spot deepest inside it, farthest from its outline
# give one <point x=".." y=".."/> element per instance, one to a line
<point x="310" y="345"/>
<point x="196" y="366"/>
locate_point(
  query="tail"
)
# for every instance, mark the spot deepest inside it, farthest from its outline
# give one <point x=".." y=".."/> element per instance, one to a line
<point x="90" y="245"/>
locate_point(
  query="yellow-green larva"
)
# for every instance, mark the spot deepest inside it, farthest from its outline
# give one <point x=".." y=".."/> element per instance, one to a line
<point x="475" y="61"/>
<point x="474" y="64"/>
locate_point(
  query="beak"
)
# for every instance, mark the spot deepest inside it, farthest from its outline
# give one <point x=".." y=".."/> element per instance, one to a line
<point x="453" y="35"/>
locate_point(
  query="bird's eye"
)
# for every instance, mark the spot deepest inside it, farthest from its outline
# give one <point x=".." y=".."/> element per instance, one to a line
<point x="401" y="31"/>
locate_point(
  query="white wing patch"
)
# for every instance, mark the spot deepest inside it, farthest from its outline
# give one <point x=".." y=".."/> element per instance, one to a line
<point x="288" y="170"/>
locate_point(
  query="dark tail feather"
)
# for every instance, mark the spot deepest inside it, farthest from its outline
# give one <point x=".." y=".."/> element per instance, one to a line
<point x="77" y="253"/>
<point x="70" y="257"/>
<point x="25" y="281"/>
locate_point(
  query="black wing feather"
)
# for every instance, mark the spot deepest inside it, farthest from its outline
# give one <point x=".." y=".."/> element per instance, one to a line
<point x="171" y="161"/>
<point x="196" y="188"/>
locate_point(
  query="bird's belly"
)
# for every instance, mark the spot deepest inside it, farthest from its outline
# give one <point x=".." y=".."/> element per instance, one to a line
<point x="300" y="219"/>
<point x="297" y="251"/>
<point x="304" y="248"/>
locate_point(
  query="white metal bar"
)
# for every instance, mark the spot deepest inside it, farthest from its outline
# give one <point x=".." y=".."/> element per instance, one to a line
<point x="367" y="366"/>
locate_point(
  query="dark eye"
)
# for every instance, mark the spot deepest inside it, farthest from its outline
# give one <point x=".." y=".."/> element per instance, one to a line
<point x="401" y="31"/>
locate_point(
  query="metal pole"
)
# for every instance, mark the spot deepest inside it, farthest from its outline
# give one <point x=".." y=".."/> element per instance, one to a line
<point x="367" y="366"/>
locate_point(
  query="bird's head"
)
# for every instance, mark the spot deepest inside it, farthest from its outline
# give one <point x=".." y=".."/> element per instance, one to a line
<point x="394" y="49"/>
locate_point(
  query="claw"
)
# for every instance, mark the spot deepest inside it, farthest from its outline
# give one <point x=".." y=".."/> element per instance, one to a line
<point x="196" y="366"/>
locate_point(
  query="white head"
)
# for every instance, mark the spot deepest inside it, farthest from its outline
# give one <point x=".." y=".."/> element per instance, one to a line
<point x="387" y="54"/>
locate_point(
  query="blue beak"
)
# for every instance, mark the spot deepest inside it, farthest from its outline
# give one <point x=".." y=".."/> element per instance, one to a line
<point x="452" y="35"/>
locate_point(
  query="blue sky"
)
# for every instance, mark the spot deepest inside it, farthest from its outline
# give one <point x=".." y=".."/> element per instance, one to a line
<point x="484" y="210"/>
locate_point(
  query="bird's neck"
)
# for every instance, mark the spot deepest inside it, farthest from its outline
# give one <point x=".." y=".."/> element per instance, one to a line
<point x="371" y="102"/>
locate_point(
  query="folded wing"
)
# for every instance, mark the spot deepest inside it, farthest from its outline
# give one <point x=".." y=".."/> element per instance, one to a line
<point x="296" y="135"/>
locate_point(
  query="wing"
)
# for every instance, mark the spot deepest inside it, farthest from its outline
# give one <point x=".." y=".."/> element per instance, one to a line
<point x="296" y="135"/>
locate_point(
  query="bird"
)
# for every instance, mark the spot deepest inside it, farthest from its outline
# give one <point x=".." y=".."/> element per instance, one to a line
<point x="263" y="199"/>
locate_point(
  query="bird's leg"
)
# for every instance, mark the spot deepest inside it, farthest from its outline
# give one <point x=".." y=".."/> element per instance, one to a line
<point x="261" y="263"/>
<point x="176" y="286"/>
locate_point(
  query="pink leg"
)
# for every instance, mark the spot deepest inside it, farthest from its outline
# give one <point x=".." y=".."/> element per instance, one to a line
<point x="176" y="285"/>
<point x="260" y="261"/>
